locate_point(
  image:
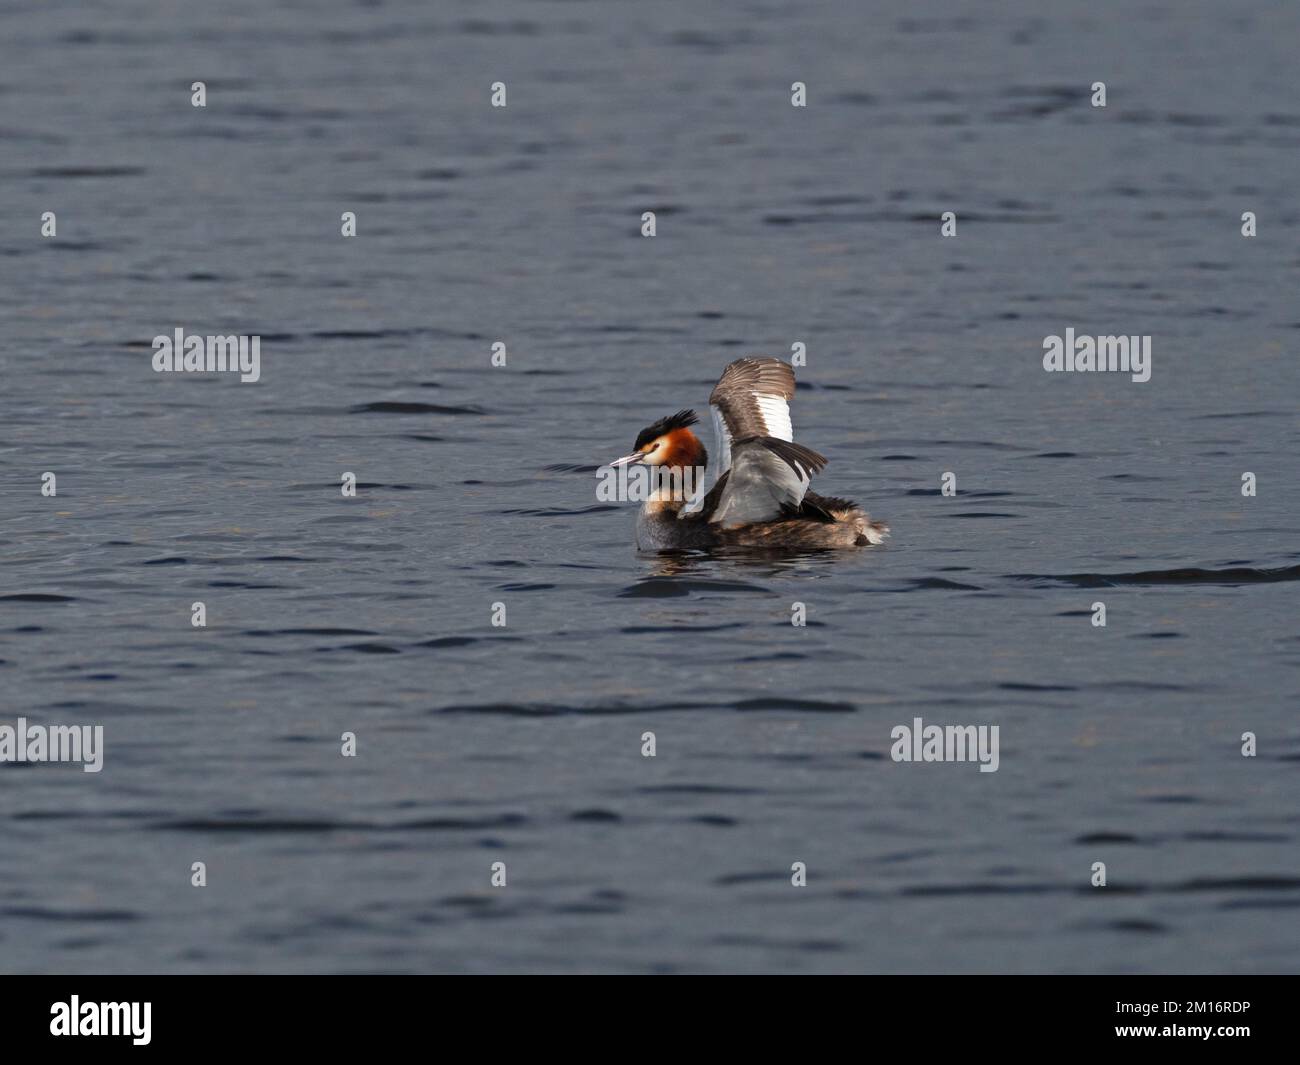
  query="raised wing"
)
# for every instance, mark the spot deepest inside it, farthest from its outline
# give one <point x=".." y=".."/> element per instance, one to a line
<point x="767" y="480"/>
<point x="751" y="399"/>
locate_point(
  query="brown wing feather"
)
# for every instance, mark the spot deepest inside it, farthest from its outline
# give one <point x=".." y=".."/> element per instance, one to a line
<point x="803" y="460"/>
<point x="734" y="393"/>
<point x="710" y="502"/>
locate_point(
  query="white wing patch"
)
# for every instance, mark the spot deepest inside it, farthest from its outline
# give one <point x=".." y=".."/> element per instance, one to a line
<point x="776" y="416"/>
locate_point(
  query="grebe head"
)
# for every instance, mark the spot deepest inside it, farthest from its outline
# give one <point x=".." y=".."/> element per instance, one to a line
<point x="668" y="442"/>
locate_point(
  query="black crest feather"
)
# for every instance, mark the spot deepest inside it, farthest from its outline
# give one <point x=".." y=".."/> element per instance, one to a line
<point x="680" y="420"/>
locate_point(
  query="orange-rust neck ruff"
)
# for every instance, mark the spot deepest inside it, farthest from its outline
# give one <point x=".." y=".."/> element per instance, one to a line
<point x="683" y="448"/>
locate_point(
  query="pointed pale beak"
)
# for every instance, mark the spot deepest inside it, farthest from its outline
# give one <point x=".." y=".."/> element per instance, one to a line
<point x="629" y="460"/>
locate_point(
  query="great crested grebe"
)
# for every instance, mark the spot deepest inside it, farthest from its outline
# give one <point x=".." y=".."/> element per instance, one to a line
<point x="761" y="496"/>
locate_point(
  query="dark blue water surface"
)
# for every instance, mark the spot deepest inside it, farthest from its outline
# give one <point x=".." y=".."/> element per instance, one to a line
<point x="522" y="744"/>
